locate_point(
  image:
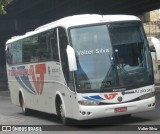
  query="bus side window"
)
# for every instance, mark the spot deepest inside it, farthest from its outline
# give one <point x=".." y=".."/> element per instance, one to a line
<point x="63" y="42"/>
<point x="42" y="49"/>
<point x="53" y="45"/>
<point x="9" y="54"/>
<point x="29" y="49"/>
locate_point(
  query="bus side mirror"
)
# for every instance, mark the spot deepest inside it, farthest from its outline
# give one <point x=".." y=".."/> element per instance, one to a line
<point x="71" y="58"/>
<point x="152" y="50"/>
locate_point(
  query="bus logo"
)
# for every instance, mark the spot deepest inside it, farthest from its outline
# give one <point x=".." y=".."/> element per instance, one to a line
<point x="38" y="82"/>
<point x="120" y="99"/>
<point x="36" y="73"/>
<point x="110" y="96"/>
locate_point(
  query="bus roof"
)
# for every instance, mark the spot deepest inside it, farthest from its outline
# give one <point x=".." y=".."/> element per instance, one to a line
<point x="76" y="20"/>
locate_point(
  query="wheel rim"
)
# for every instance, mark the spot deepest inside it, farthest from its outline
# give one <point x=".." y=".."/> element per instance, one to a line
<point x="62" y="111"/>
<point x="23" y="107"/>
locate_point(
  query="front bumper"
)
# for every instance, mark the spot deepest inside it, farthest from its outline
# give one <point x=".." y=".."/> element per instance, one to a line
<point x="100" y="111"/>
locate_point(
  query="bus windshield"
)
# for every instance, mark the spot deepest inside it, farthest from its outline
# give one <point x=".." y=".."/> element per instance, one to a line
<point x="111" y="56"/>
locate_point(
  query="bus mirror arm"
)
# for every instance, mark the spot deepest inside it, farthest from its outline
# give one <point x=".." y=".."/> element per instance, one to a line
<point x="152" y="50"/>
<point x="71" y="58"/>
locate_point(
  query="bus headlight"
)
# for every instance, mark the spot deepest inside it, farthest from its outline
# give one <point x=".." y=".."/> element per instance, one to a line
<point x="88" y="102"/>
<point x="148" y="95"/>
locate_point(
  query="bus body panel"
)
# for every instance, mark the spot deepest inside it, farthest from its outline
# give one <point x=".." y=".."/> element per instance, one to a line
<point x="39" y="89"/>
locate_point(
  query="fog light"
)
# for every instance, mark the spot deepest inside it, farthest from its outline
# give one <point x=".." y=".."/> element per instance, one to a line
<point x="88" y="113"/>
<point x="153" y="104"/>
<point x="149" y="105"/>
<point x="83" y="113"/>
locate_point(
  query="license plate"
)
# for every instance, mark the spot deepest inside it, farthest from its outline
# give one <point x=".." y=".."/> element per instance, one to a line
<point x="120" y="109"/>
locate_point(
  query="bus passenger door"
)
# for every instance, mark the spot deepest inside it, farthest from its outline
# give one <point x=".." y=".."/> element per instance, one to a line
<point x="70" y="94"/>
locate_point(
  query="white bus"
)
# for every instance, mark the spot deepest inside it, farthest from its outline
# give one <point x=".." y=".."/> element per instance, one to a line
<point x="82" y="67"/>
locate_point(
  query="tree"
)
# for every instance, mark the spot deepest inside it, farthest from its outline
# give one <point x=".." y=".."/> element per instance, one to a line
<point x="3" y="4"/>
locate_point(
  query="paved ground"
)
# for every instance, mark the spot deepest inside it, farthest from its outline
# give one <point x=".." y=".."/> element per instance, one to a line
<point x="12" y="115"/>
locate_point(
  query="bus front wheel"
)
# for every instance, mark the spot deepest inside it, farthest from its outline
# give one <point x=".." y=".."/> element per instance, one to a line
<point x="61" y="113"/>
<point x="22" y="104"/>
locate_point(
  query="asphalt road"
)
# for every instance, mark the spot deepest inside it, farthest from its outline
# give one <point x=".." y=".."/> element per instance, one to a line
<point x="12" y="115"/>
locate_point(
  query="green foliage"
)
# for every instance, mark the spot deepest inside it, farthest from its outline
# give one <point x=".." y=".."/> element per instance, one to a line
<point x="3" y="4"/>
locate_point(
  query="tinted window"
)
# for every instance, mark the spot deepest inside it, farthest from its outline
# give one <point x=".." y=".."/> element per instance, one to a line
<point x="36" y="48"/>
<point x="63" y="42"/>
<point x="41" y="47"/>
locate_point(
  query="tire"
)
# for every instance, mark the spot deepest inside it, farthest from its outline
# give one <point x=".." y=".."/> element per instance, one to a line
<point x="22" y="104"/>
<point x="61" y="113"/>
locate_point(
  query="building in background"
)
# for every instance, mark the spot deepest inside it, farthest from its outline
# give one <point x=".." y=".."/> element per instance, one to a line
<point x="152" y="23"/>
<point x="152" y="28"/>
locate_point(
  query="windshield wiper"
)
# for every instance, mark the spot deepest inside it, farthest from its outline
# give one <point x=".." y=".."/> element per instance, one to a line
<point x="122" y="69"/>
<point x="112" y="67"/>
<point x="112" y="73"/>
